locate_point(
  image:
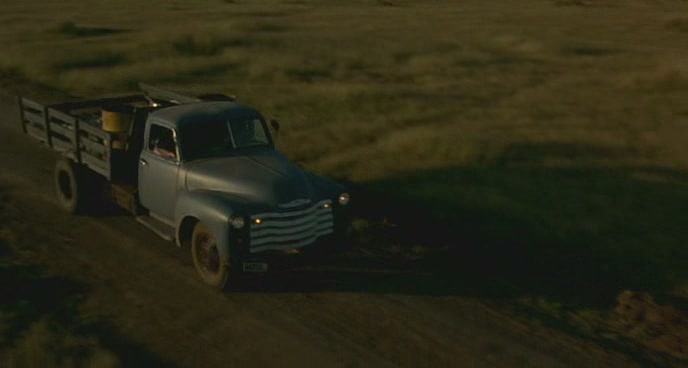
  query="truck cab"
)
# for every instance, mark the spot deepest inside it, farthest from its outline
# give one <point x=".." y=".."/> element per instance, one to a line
<point x="213" y="165"/>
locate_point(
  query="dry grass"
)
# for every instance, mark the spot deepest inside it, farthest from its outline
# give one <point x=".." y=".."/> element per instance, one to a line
<point x="361" y="79"/>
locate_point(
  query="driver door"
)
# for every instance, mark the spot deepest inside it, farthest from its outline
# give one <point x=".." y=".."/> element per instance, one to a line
<point x="158" y="170"/>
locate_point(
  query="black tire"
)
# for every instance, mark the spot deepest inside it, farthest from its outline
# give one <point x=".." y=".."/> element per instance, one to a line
<point x="210" y="266"/>
<point x="69" y="186"/>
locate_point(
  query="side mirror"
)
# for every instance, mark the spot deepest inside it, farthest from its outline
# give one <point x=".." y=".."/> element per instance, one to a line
<point x="275" y="125"/>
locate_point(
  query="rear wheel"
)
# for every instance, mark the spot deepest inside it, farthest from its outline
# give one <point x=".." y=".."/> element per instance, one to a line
<point x="79" y="190"/>
<point x="206" y="257"/>
<point x="69" y="186"/>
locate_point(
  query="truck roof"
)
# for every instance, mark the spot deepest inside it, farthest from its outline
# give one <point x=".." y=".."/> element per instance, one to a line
<point x="191" y="113"/>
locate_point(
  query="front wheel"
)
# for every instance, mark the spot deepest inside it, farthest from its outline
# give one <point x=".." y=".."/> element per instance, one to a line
<point x="206" y="257"/>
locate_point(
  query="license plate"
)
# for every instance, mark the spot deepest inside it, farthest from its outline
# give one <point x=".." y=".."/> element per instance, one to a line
<point x="255" y="267"/>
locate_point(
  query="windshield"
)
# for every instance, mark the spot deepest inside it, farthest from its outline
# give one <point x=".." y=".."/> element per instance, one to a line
<point x="216" y="138"/>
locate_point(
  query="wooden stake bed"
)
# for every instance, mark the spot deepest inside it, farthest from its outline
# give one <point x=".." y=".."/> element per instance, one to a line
<point x="75" y="128"/>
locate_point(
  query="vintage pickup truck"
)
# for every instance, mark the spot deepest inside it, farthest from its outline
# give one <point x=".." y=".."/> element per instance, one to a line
<point x="200" y="171"/>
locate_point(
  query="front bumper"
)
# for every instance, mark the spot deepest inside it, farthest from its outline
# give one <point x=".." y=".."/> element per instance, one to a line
<point x="285" y="259"/>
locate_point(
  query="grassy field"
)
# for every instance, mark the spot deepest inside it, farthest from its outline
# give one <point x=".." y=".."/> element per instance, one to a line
<point x="549" y="136"/>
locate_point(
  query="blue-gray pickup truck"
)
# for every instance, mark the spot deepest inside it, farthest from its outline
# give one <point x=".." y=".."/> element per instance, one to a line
<point x="201" y="171"/>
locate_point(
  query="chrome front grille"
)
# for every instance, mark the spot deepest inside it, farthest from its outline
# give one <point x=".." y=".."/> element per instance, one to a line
<point x="291" y="229"/>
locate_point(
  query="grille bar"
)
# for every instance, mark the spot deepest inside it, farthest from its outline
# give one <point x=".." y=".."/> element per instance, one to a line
<point x="260" y="232"/>
<point x="291" y="213"/>
<point x="291" y="229"/>
<point x="282" y="225"/>
<point x="327" y="227"/>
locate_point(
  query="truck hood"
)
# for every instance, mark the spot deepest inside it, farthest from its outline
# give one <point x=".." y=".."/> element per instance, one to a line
<point x="263" y="176"/>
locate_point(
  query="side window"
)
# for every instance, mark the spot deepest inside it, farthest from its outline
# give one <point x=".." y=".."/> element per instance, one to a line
<point x="161" y="142"/>
<point x="258" y="132"/>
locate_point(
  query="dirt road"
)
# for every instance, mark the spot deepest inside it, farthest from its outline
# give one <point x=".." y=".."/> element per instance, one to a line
<point x="147" y="291"/>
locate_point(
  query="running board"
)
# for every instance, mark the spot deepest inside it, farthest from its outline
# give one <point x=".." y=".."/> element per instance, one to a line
<point x="162" y="229"/>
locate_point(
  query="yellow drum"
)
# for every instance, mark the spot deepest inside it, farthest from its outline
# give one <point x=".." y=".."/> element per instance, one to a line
<point x="117" y="120"/>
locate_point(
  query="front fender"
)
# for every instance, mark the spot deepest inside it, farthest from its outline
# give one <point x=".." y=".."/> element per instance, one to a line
<point x="211" y="208"/>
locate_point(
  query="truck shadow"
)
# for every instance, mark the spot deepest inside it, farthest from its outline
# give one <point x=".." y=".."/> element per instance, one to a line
<point x="534" y="222"/>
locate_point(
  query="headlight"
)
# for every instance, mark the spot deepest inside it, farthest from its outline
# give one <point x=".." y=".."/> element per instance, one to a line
<point x="344" y="198"/>
<point x="237" y="222"/>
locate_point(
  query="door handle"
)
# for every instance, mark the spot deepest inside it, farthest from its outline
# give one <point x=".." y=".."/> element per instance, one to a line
<point x="143" y="162"/>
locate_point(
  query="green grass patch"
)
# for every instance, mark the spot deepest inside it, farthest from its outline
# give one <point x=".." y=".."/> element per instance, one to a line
<point x="265" y="27"/>
<point x="69" y="28"/>
<point x="590" y="51"/>
<point x="104" y="59"/>
<point x="202" y="45"/>
<point x="569" y="2"/>
<point x="310" y="73"/>
<point x="678" y="25"/>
